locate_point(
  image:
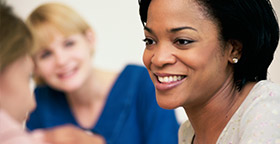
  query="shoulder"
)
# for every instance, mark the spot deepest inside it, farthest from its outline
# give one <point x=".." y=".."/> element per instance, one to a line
<point x="133" y="82"/>
<point x="134" y="74"/>
<point x="137" y="83"/>
<point x="264" y="92"/>
<point x="263" y="96"/>
<point x="135" y="68"/>
<point x="261" y="115"/>
<point x="266" y="86"/>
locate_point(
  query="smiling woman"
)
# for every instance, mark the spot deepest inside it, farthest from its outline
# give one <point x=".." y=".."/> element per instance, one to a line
<point x="211" y="58"/>
<point x="118" y="107"/>
<point x="186" y="50"/>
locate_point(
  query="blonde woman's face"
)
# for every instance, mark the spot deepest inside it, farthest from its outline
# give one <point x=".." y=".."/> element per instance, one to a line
<point x="17" y="96"/>
<point x="65" y="64"/>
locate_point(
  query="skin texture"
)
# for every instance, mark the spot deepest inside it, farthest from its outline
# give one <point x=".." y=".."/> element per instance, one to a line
<point x="65" y="63"/>
<point x="182" y="43"/>
<point x="17" y="96"/>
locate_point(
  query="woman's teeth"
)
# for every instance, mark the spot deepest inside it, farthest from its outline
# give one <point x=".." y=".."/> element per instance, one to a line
<point x="168" y="79"/>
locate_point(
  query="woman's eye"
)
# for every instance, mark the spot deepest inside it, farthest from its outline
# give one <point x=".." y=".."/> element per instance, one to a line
<point x="183" y="41"/>
<point x="45" y="54"/>
<point x="149" y="41"/>
<point x="69" y="43"/>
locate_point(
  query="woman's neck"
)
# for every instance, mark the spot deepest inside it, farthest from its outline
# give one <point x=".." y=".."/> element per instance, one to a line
<point x="209" y="119"/>
<point x="95" y="88"/>
<point x="88" y="102"/>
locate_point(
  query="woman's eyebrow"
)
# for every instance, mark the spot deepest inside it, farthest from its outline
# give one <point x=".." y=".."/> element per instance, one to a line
<point x="173" y="30"/>
<point x="148" y="29"/>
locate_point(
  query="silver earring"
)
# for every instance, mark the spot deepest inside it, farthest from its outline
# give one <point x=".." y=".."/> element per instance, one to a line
<point x="235" y="60"/>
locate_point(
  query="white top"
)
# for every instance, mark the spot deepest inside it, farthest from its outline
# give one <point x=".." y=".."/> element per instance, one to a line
<point x="257" y="120"/>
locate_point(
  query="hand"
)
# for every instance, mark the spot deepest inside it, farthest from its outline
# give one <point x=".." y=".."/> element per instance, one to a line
<point x="69" y="134"/>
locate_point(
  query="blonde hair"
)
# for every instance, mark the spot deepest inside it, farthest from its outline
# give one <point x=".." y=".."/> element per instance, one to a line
<point x="50" y="18"/>
<point x="15" y="38"/>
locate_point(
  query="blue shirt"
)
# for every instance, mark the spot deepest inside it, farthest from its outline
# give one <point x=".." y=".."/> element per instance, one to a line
<point x="131" y="114"/>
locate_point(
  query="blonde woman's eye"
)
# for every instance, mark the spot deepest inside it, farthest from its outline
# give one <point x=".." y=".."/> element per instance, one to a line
<point x="69" y="43"/>
<point x="148" y="41"/>
<point x="45" y="54"/>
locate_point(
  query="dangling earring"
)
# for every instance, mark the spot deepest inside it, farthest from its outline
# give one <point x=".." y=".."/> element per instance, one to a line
<point x="235" y="60"/>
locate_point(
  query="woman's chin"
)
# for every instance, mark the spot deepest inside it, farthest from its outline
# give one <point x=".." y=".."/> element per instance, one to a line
<point x="167" y="104"/>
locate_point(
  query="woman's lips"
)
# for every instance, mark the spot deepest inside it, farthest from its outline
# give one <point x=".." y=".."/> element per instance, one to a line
<point x="68" y="74"/>
<point x="166" y="81"/>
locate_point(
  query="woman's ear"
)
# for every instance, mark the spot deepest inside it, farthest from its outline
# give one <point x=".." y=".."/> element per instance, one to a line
<point x="235" y="51"/>
<point x="91" y="38"/>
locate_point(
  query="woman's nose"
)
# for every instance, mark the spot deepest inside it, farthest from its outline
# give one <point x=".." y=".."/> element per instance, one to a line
<point x="163" y="55"/>
<point x="60" y="58"/>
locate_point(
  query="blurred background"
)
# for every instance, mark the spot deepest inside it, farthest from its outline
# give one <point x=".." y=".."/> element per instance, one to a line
<point x="119" y="32"/>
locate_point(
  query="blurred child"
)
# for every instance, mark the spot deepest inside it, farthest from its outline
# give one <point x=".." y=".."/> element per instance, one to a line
<point x="16" y="67"/>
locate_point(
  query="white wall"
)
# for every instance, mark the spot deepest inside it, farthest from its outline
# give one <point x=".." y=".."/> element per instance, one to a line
<point x="274" y="69"/>
<point x="117" y="25"/>
<point x="119" y="31"/>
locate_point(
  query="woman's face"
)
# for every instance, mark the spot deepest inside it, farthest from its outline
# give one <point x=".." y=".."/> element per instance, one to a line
<point x="183" y="54"/>
<point x="65" y="63"/>
<point x="16" y="88"/>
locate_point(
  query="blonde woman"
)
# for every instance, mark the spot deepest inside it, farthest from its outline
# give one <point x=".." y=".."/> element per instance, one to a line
<point x="119" y="107"/>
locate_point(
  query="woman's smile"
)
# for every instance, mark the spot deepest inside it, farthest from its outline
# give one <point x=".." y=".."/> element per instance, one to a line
<point x="168" y="81"/>
<point x="67" y="74"/>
